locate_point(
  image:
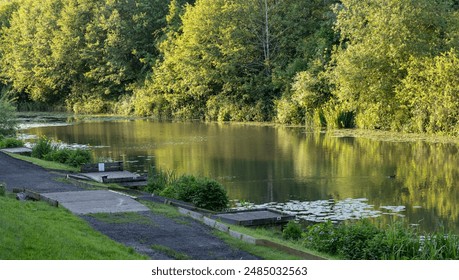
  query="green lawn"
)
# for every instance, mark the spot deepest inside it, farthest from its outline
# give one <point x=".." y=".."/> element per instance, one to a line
<point x="37" y="231"/>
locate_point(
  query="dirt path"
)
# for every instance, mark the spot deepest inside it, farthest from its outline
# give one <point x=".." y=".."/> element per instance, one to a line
<point x="155" y="235"/>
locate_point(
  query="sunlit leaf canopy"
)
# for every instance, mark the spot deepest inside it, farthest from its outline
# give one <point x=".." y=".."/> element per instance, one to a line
<point x="374" y="64"/>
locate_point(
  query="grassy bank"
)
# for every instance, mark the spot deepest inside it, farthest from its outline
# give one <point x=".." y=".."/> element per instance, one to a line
<point x="37" y="231"/>
<point x="45" y="163"/>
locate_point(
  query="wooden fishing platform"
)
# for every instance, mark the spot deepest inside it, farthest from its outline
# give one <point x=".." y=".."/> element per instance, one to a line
<point x="256" y="217"/>
<point x="110" y="172"/>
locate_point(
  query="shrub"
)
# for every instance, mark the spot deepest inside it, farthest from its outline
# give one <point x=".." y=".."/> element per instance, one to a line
<point x="292" y="231"/>
<point x="10" y="143"/>
<point x="209" y="194"/>
<point x="78" y="157"/>
<point x="182" y="189"/>
<point x="202" y="192"/>
<point x="43" y="147"/>
<point x="323" y="237"/>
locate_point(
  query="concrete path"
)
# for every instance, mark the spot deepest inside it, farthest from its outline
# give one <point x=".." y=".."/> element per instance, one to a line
<point x="91" y="202"/>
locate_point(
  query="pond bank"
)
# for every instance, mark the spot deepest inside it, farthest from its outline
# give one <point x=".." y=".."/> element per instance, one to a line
<point x="147" y="232"/>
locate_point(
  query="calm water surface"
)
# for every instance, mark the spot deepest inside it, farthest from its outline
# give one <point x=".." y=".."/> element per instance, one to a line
<point x="265" y="163"/>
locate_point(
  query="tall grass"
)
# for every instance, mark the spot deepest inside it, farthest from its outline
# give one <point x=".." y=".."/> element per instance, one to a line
<point x="159" y="179"/>
<point x="364" y="240"/>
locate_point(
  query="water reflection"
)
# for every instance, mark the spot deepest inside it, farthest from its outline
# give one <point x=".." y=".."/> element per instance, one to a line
<point x="264" y="163"/>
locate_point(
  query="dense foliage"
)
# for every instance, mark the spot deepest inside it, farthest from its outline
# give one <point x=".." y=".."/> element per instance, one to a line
<point x="378" y="64"/>
<point x="47" y="150"/>
<point x="10" y="143"/>
<point x="363" y="240"/>
<point x="201" y="191"/>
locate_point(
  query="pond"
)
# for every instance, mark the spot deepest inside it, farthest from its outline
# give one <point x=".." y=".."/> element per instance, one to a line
<point x="411" y="181"/>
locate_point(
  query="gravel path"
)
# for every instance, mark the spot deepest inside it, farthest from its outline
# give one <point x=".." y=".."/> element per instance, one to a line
<point x="154" y="235"/>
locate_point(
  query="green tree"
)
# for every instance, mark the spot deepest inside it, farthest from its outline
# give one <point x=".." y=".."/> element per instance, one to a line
<point x="306" y="83"/>
<point x="86" y="53"/>
<point x="229" y="60"/>
<point x="26" y="49"/>
<point x="429" y="95"/>
<point x="378" y="38"/>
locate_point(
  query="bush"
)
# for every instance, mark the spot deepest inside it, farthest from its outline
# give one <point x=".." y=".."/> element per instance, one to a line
<point x="78" y="157"/>
<point x="44" y="149"/>
<point x="202" y="192"/>
<point x="292" y="231"/>
<point x="209" y="194"/>
<point x="10" y="143"/>
<point x="323" y="237"/>
<point x="182" y="189"/>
